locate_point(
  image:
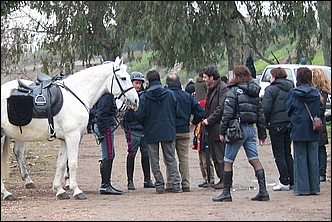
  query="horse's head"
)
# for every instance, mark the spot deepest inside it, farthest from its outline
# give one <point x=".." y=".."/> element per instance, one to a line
<point x="121" y="85"/>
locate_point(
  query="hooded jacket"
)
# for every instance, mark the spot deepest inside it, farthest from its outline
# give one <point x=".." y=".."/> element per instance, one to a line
<point x="244" y="98"/>
<point x="157" y="113"/>
<point x="273" y="102"/>
<point x="300" y="122"/>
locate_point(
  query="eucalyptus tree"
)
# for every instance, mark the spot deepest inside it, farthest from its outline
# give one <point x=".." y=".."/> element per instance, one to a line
<point x="190" y="33"/>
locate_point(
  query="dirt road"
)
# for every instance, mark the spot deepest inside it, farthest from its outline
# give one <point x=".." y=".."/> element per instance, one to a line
<point x="144" y="204"/>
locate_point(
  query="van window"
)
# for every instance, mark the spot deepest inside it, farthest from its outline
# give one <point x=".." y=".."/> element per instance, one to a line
<point x="267" y="75"/>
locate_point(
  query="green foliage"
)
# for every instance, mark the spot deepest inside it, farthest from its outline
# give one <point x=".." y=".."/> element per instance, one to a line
<point x="191" y="33"/>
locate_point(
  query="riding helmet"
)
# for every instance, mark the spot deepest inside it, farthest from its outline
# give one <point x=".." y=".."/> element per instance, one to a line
<point x="137" y="76"/>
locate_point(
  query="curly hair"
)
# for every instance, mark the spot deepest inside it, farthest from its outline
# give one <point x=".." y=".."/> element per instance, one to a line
<point x="321" y="81"/>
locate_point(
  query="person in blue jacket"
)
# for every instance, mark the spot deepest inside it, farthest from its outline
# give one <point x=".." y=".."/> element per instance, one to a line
<point x="104" y="123"/>
<point x="157" y="113"/>
<point x="305" y="139"/>
<point x="186" y="108"/>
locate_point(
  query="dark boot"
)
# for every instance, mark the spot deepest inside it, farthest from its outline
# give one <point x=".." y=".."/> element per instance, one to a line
<point x="225" y="196"/>
<point x="146" y="171"/>
<point x="262" y="194"/>
<point x="130" y="172"/>
<point x="105" y="171"/>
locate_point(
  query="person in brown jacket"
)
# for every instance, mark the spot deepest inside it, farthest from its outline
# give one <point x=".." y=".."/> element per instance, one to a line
<point x="214" y="107"/>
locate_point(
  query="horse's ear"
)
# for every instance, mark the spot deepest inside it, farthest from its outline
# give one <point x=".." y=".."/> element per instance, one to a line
<point x="118" y="61"/>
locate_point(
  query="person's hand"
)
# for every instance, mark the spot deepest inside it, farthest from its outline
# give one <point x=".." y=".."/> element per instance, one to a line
<point x="131" y="106"/>
<point x="191" y="127"/>
<point x="262" y="142"/>
<point x="205" y="122"/>
<point x="222" y="138"/>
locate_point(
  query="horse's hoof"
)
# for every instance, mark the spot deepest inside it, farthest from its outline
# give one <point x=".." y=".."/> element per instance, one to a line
<point x="10" y="198"/>
<point x="30" y="186"/>
<point x="80" y="196"/>
<point x="63" y="196"/>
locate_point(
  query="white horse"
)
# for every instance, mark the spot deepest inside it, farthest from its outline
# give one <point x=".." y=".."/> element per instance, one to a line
<point x="80" y="92"/>
<point x="18" y="149"/>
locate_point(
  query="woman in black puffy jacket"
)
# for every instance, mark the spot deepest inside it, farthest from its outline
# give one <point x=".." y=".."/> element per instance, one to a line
<point x="243" y="97"/>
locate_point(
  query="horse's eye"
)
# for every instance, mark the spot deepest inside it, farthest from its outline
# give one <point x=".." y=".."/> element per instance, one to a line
<point x="123" y="78"/>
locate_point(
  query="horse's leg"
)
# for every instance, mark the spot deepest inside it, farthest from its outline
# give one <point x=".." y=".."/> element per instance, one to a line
<point x="5" y="145"/>
<point x="60" y="170"/>
<point x="72" y="149"/>
<point x="67" y="177"/>
<point x="19" y="153"/>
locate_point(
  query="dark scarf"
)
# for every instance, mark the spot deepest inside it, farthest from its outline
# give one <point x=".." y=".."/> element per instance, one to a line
<point x="208" y="94"/>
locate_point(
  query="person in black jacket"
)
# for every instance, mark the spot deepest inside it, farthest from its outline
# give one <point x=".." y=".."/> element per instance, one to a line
<point x="135" y="139"/>
<point x="243" y="97"/>
<point x="277" y="121"/>
<point x="104" y="123"/>
<point x="190" y="87"/>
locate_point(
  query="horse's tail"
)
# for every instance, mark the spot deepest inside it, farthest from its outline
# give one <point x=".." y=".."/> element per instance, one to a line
<point x="5" y="157"/>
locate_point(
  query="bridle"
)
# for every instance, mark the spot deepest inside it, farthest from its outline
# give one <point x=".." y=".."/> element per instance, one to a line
<point x="117" y="80"/>
<point x="123" y="108"/>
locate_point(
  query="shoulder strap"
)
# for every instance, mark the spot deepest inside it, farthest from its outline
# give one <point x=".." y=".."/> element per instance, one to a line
<point x="306" y="106"/>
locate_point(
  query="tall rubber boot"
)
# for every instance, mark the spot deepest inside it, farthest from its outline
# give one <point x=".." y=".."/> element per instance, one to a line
<point x="130" y="172"/>
<point x="105" y="171"/>
<point x="225" y="196"/>
<point x="262" y="194"/>
<point x="146" y="171"/>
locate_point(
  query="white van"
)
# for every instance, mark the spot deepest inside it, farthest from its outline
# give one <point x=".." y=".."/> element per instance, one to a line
<point x="291" y="69"/>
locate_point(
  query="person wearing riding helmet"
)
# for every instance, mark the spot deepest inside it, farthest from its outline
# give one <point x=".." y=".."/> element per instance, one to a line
<point x="135" y="139"/>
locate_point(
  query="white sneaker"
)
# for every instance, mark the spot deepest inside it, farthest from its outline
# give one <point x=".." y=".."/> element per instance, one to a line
<point x="280" y="187"/>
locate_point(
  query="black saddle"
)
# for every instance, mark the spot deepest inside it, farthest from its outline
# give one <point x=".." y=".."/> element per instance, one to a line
<point x="41" y="99"/>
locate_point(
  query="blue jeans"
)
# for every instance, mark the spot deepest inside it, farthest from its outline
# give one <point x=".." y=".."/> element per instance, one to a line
<point x="306" y="170"/>
<point x="249" y="145"/>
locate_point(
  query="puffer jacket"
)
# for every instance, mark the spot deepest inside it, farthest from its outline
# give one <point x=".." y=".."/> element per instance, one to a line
<point x="245" y="96"/>
<point x="157" y="113"/>
<point x="273" y="102"/>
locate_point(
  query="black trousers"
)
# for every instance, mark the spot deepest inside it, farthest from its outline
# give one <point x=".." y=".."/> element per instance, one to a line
<point x="281" y="148"/>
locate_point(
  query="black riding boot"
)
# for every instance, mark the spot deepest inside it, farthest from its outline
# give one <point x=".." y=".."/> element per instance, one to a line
<point x="105" y="171"/>
<point x="262" y="194"/>
<point x="130" y="172"/>
<point x="225" y="196"/>
<point x="146" y="171"/>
